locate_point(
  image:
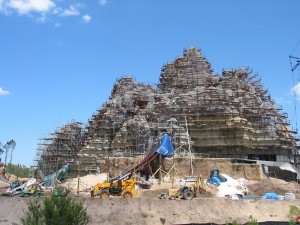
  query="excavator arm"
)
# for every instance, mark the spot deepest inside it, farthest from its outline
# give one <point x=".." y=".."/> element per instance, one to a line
<point x="199" y="186"/>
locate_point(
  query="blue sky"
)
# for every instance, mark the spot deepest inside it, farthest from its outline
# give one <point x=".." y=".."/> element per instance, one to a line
<point x="59" y="59"/>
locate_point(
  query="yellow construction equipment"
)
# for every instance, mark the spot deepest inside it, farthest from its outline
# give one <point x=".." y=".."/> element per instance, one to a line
<point x="116" y="188"/>
<point x="186" y="192"/>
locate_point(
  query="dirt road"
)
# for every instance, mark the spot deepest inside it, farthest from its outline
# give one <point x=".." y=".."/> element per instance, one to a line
<point x="152" y="211"/>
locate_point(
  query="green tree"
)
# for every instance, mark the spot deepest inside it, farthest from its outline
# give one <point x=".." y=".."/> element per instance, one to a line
<point x="62" y="210"/>
<point x="9" y="146"/>
<point x="18" y="170"/>
<point x="1" y="149"/>
<point x="12" y="145"/>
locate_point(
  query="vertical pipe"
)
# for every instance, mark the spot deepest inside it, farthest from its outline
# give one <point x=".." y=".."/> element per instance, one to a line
<point x="188" y="137"/>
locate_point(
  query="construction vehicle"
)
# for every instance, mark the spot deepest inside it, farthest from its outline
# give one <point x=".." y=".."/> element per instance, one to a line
<point x="115" y="188"/>
<point x="15" y="188"/>
<point x="186" y="192"/>
<point x="34" y="190"/>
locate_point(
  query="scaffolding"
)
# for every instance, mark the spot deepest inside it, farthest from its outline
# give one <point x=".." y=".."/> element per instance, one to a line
<point x="60" y="148"/>
<point x="230" y="116"/>
<point x="128" y="125"/>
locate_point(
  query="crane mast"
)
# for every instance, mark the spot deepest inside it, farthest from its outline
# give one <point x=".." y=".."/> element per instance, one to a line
<point x="293" y="58"/>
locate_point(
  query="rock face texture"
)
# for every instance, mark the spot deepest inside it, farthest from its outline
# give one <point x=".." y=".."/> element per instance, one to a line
<point x="231" y="115"/>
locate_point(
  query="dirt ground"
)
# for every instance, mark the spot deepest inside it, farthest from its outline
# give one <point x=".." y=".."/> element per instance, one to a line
<point x="148" y="209"/>
<point x="152" y="211"/>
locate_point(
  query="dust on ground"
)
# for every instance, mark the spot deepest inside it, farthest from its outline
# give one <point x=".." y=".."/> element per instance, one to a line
<point x="148" y="209"/>
<point x="152" y="211"/>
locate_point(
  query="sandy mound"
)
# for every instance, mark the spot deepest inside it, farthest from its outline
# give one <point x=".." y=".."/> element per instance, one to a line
<point x="85" y="183"/>
<point x="278" y="186"/>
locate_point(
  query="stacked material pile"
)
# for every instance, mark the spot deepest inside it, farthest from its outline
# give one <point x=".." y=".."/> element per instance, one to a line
<point x="231" y="187"/>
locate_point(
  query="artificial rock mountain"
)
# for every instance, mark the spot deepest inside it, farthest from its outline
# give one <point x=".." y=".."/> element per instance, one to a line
<point x="226" y="116"/>
<point x="231" y="115"/>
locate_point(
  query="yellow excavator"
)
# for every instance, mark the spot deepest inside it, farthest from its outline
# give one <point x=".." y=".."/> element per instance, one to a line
<point x="186" y="192"/>
<point x="115" y="188"/>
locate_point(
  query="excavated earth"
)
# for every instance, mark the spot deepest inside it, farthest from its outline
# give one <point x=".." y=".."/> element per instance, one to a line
<point x="148" y="209"/>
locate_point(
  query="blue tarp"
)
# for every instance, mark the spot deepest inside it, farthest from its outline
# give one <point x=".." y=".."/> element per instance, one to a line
<point x="214" y="180"/>
<point x="272" y="195"/>
<point x="215" y="177"/>
<point x="166" y="148"/>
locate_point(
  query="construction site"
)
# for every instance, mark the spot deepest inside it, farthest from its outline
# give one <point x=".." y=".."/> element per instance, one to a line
<point x="206" y="115"/>
<point x="196" y="134"/>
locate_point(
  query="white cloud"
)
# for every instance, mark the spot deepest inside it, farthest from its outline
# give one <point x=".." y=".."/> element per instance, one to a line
<point x="296" y="90"/>
<point x="42" y="18"/>
<point x="43" y="11"/>
<point x="3" y="92"/>
<point x="27" y="6"/>
<point x="86" y="18"/>
<point x="1" y="5"/>
<point x="57" y="10"/>
<point x="103" y="2"/>
<point x="72" y="11"/>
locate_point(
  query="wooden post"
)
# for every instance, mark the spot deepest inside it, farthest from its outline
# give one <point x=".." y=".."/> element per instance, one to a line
<point x="159" y="169"/>
<point x="78" y="176"/>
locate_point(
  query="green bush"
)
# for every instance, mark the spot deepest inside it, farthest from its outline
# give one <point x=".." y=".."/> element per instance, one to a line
<point x="54" y="210"/>
<point x="234" y="222"/>
<point x="293" y="213"/>
<point x="18" y="170"/>
<point x="34" y="214"/>
<point x="252" y="222"/>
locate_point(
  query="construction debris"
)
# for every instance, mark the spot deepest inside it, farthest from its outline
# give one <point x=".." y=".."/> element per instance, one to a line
<point x="26" y="188"/>
<point x="272" y="195"/>
<point x="215" y="177"/>
<point x="231" y="187"/>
